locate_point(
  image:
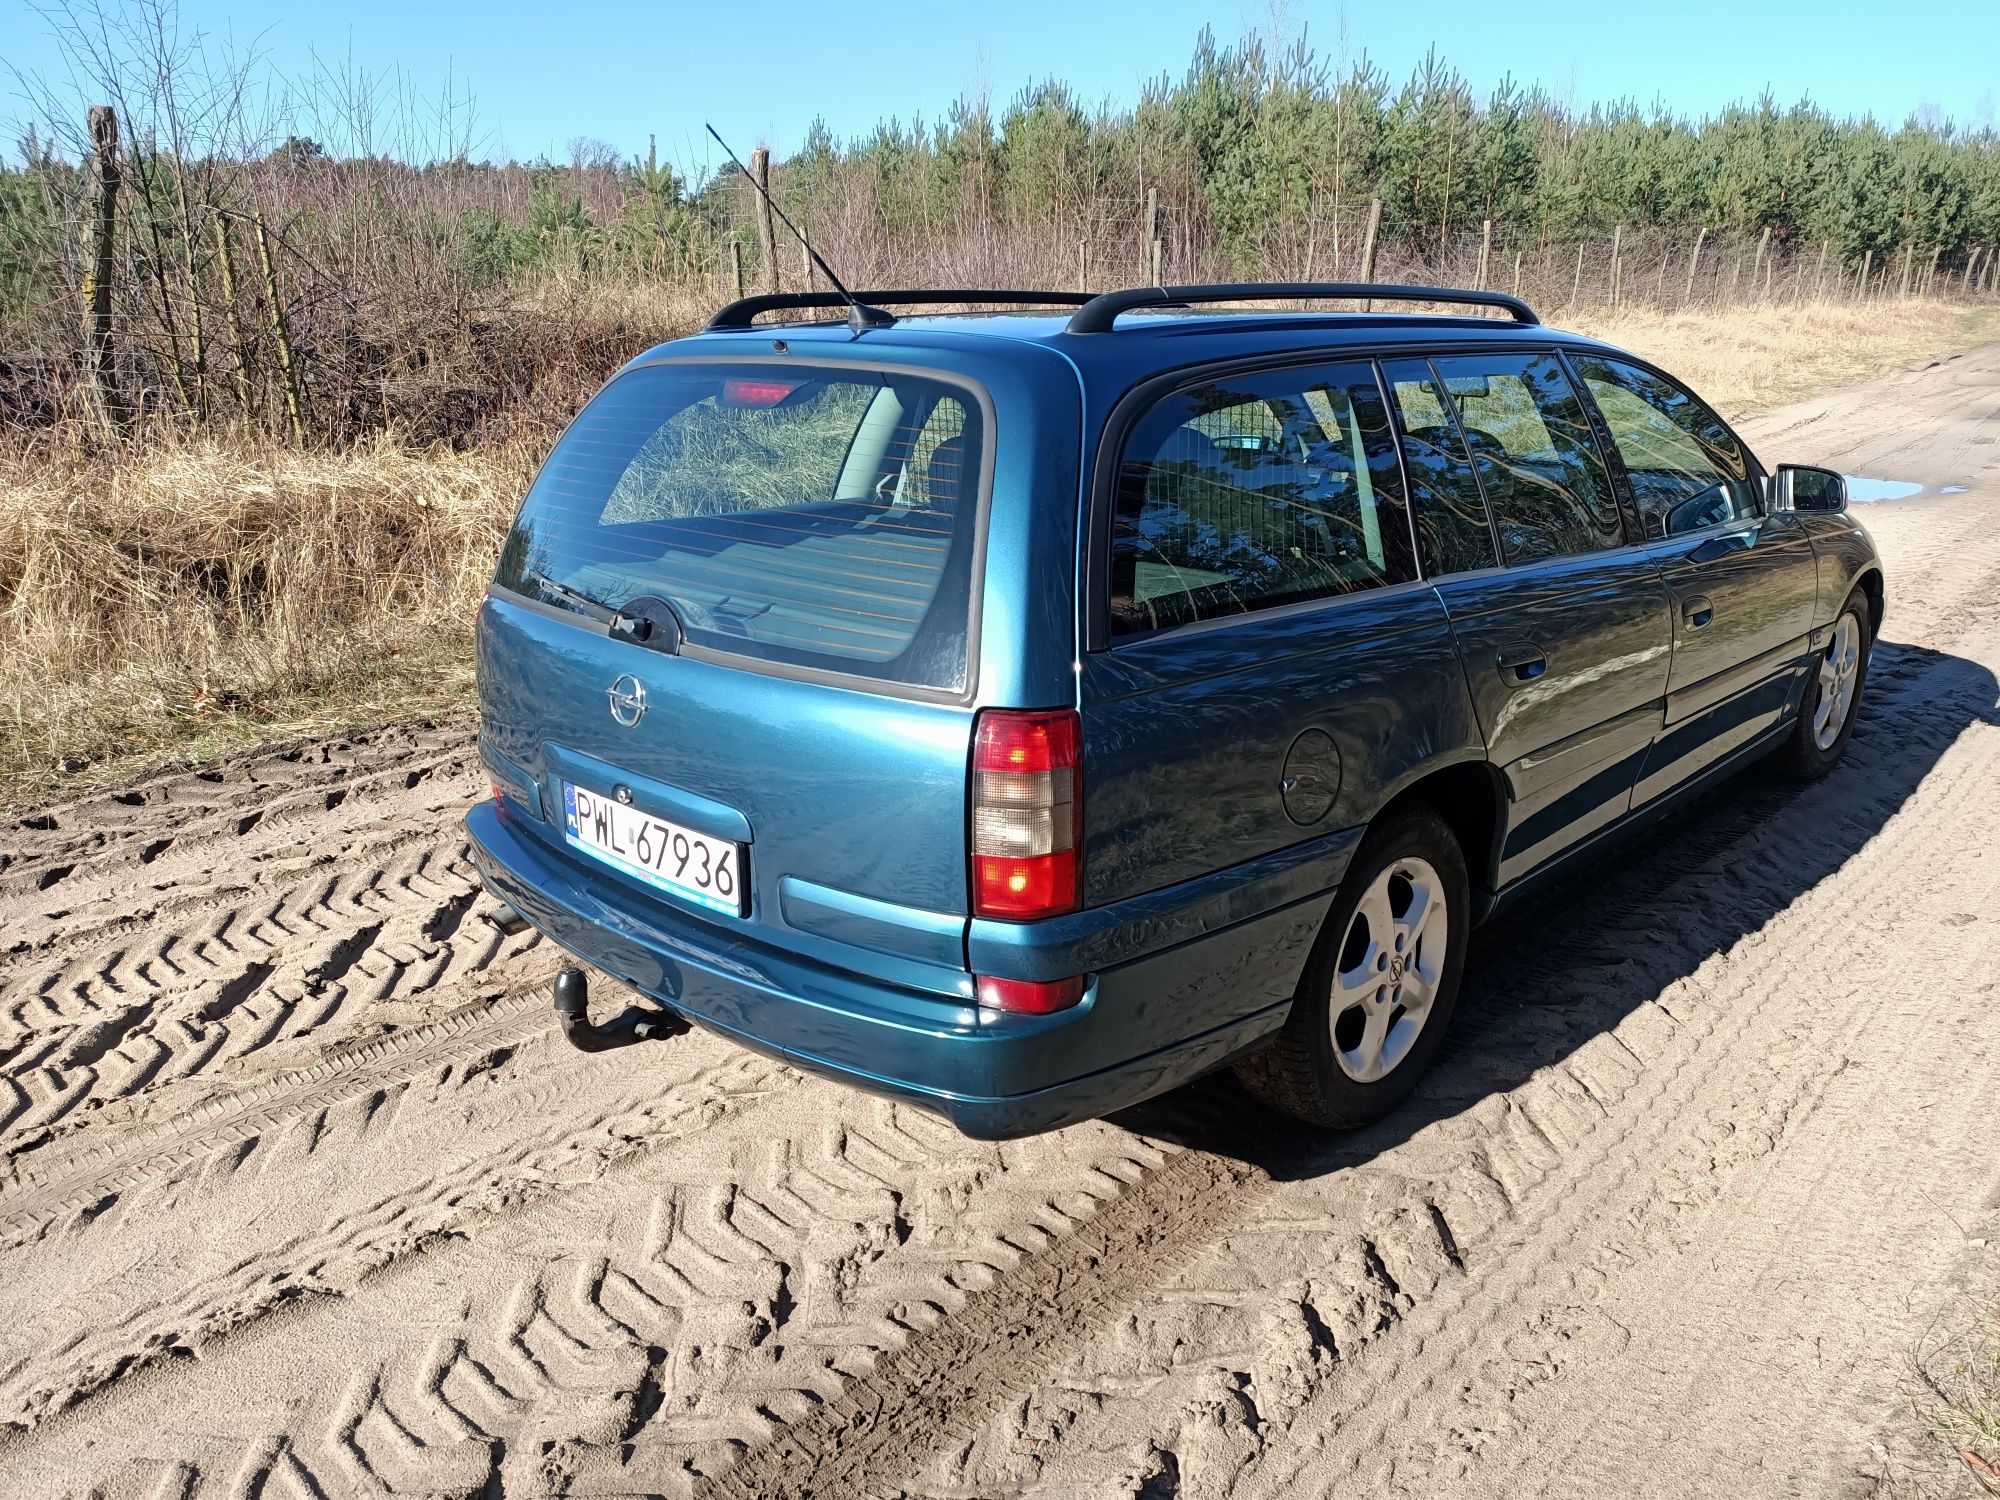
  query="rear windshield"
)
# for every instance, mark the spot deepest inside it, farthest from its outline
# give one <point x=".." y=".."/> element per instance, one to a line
<point x="816" y="517"/>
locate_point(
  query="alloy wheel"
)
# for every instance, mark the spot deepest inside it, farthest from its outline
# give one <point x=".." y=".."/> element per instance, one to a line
<point x="1839" y="671"/>
<point x="1391" y="959"/>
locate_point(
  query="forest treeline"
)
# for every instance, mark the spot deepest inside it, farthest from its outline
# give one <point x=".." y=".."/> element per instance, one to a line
<point x="264" y="279"/>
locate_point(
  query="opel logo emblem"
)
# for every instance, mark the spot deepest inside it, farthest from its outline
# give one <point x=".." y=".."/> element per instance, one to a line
<point x="628" y="700"/>
<point x="1396" y="969"/>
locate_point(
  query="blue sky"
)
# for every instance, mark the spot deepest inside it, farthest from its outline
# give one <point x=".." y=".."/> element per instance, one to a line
<point x="541" y="74"/>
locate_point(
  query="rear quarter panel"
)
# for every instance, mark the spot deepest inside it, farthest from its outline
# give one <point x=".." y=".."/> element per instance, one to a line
<point x="1186" y="735"/>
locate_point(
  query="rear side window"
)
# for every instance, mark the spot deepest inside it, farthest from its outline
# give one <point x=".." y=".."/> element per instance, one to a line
<point x="1686" y="468"/>
<point x="1257" y="490"/>
<point x="1535" y="455"/>
<point x="813" y="517"/>
<point x="1451" y="511"/>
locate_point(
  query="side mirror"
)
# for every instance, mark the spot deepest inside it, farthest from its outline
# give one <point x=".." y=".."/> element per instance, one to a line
<point x="1803" y="488"/>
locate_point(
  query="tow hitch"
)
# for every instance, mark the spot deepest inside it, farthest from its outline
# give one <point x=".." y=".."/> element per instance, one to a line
<point x="572" y="1000"/>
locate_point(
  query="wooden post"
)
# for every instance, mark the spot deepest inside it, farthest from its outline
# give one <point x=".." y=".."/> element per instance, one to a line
<point x="287" y="367"/>
<point x="1909" y="255"/>
<point x="1819" y="276"/>
<point x="1083" y="265"/>
<point x="1617" y="261"/>
<point x="1576" y="281"/>
<point x="805" y="259"/>
<point x="1694" y="261"/>
<point x="227" y="263"/>
<point x="1965" y="277"/>
<point x="1368" y="246"/>
<point x="1861" y="286"/>
<point x="767" y="237"/>
<point x="1757" y="264"/>
<point x="1660" y="285"/>
<point x="736" y="266"/>
<point x="99" y="361"/>
<point x="1149" y="243"/>
<point x="1517" y="272"/>
<point x="1485" y="253"/>
<point x="1930" y="274"/>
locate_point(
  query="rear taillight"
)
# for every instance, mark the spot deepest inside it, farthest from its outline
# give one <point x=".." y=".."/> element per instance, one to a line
<point x="1027" y="813"/>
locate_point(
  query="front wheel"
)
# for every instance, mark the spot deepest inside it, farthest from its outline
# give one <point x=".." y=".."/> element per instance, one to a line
<point x="1833" y="697"/>
<point x="1378" y="991"/>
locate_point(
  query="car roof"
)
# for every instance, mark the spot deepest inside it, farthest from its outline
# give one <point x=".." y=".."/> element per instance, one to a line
<point x="1142" y="341"/>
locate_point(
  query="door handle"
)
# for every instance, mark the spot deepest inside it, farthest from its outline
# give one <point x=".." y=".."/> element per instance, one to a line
<point x="1698" y="610"/>
<point x="1523" y="662"/>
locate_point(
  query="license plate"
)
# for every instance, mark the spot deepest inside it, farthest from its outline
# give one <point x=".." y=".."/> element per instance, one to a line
<point x="695" y="867"/>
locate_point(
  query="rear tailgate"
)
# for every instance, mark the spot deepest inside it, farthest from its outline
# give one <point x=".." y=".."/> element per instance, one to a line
<point x="802" y="546"/>
<point x="850" y="807"/>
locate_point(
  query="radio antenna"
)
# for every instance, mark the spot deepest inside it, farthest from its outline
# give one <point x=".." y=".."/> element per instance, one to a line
<point x="860" y="316"/>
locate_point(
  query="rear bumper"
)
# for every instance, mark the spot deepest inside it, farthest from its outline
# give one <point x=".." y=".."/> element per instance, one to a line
<point x="1144" y="1026"/>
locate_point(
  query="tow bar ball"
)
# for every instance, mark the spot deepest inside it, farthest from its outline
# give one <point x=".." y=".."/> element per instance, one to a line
<point x="572" y="1001"/>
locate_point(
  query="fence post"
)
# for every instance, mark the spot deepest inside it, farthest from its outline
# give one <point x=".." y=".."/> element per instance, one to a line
<point x="1576" y="281"/>
<point x="1149" y="241"/>
<point x="287" y="368"/>
<point x="1617" y="266"/>
<point x="1930" y="275"/>
<point x="1971" y="264"/>
<point x="1083" y="265"/>
<point x="736" y="266"/>
<point x="1485" y="253"/>
<point x="1368" y="247"/>
<point x="1694" y="260"/>
<point x="1819" y="276"/>
<point x="1867" y="264"/>
<point x="1517" y="272"/>
<point x="100" y="363"/>
<point x="1909" y="255"/>
<point x="767" y="236"/>
<point x="805" y="260"/>
<point x="1757" y="264"/>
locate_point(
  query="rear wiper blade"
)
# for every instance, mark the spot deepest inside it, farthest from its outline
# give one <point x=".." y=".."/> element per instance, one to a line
<point x="576" y="599"/>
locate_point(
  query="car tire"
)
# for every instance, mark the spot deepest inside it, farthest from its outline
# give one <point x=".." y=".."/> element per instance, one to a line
<point x="1341" y="1059"/>
<point x="1833" y="697"/>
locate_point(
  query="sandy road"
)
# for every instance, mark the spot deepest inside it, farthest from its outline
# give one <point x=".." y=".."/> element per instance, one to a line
<point x="299" y="1193"/>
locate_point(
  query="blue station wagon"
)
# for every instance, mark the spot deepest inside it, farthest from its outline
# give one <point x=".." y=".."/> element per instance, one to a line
<point x="1023" y="713"/>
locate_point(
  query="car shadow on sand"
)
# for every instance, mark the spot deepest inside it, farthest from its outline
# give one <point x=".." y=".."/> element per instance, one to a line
<point x="1611" y="936"/>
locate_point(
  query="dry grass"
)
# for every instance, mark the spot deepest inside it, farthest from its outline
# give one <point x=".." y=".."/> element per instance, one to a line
<point x="1952" y="1448"/>
<point x="203" y="594"/>
<point x="1751" y="358"/>
<point x="188" y="596"/>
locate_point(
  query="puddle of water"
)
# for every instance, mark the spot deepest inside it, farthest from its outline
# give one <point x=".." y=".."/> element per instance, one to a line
<point x="1863" y="491"/>
<point x="1953" y="489"/>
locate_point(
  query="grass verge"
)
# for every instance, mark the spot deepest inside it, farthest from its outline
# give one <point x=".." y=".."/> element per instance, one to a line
<point x="178" y="599"/>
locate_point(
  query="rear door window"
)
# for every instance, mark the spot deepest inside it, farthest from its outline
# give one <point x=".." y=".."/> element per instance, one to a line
<point x="1256" y="490"/>
<point x="1451" y="510"/>
<point x="817" y="517"/>
<point x="1685" y="466"/>
<point x="1535" y="454"/>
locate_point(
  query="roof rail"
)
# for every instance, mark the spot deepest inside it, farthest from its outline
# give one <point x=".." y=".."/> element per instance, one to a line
<point x="745" y="310"/>
<point x="1100" y="313"/>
